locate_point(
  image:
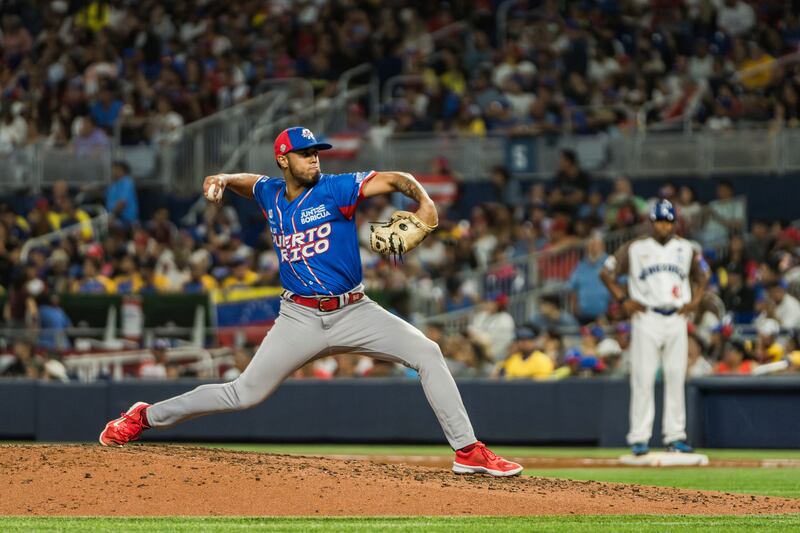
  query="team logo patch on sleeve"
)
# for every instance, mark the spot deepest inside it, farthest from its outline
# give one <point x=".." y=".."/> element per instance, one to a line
<point x="313" y="214"/>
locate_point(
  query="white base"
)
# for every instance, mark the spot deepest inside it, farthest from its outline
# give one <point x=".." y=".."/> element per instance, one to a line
<point x="665" y="459"/>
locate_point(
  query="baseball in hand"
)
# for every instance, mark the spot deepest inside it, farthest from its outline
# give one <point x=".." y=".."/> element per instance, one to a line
<point x="214" y="192"/>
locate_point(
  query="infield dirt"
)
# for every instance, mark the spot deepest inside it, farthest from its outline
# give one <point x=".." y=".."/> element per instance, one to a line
<point x="167" y="480"/>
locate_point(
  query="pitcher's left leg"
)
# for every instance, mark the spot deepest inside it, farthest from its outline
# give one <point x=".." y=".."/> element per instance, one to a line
<point x="369" y="329"/>
<point x="373" y="331"/>
<point x="674" y="360"/>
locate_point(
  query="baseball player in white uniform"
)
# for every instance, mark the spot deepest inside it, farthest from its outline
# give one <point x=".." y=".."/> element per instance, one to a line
<point x="666" y="279"/>
<point x="324" y="310"/>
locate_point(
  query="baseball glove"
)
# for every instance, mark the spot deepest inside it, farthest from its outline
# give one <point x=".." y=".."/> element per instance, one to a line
<point x="401" y="234"/>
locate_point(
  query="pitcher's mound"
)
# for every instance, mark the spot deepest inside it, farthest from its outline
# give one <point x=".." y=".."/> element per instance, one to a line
<point x="180" y="480"/>
<point x="665" y="459"/>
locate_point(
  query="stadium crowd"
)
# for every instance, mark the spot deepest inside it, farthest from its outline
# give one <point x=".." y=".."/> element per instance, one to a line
<point x="583" y="67"/>
<point x="77" y="73"/>
<point x="74" y="74"/>
<point x="577" y="329"/>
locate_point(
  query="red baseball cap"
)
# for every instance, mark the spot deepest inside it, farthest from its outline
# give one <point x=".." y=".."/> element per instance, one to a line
<point x="95" y="250"/>
<point x="297" y="138"/>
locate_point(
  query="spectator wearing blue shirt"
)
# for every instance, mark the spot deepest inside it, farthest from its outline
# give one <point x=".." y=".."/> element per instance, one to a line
<point x="457" y="297"/>
<point x="121" y="199"/>
<point x="54" y="323"/>
<point x="550" y="316"/>
<point x="589" y="296"/>
<point x="105" y="110"/>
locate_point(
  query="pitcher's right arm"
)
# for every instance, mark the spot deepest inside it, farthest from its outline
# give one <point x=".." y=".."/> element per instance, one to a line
<point x="242" y="184"/>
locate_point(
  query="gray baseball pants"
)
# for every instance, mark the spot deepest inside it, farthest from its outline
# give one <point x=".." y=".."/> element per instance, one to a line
<point x="301" y="334"/>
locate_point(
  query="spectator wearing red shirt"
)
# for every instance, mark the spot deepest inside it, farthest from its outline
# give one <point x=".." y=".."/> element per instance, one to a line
<point x="735" y="360"/>
<point x="558" y="266"/>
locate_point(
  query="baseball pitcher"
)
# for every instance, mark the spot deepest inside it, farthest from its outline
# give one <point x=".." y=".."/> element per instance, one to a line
<point x="311" y="217"/>
<point x="666" y="280"/>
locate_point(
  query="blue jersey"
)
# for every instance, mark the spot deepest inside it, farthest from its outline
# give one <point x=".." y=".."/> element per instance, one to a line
<point x="315" y="234"/>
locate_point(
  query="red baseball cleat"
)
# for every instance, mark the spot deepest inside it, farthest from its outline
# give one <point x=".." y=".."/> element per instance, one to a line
<point x="481" y="460"/>
<point x="126" y="428"/>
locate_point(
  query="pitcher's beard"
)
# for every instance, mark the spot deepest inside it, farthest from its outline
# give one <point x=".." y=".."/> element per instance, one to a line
<point x="306" y="181"/>
<point x="310" y="182"/>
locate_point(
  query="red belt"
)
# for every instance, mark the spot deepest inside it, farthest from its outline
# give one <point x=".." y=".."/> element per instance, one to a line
<point x="327" y="303"/>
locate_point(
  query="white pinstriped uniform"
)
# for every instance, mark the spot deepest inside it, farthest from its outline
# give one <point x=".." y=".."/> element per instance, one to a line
<point x="659" y="278"/>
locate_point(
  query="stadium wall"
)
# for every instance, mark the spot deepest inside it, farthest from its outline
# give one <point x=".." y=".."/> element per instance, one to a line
<point x="723" y="412"/>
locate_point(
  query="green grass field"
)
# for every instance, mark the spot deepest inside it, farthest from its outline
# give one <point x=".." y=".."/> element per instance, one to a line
<point x="511" y="451"/>
<point x="557" y="524"/>
<point x="783" y="482"/>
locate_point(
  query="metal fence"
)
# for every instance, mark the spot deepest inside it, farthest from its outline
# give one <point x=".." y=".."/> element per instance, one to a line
<point x="203" y="147"/>
<point x="90" y="367"/>
<point x="639" y="154"/>
<point x="17" y="168"/>
<point x="37" y="165"/>
<point x="244" y="134"/>
<point x="521" y="307"/>
<point x="197" y="149"/>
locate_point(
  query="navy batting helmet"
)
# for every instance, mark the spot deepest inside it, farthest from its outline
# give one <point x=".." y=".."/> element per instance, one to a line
<point x="663" y="210"/>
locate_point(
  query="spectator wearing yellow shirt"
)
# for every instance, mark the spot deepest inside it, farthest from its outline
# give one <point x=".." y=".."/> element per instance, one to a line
<point x="241" y="275"/>
<point x="527" y="361"/>
<point x="469" y="121"/>
<point x="94" y="16"/>
<point x="200" y="280"/>
<point x="451" y="77"/>
<point x="69" y="215"/>
<point x="152" y="281"/>
<point x="794" y="361"/>
<point x="767" y="349"/>
<point x="91" y="281"/>
<point x="755" y="72"/>
<point x="128" y="281"/>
